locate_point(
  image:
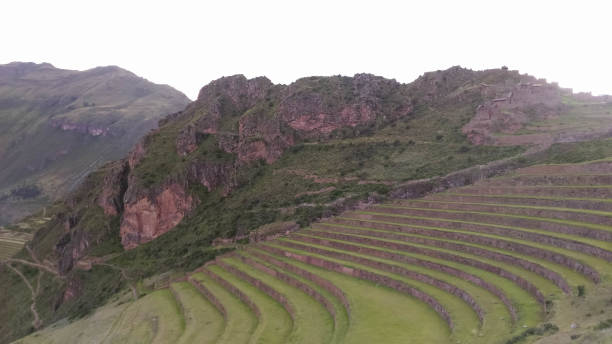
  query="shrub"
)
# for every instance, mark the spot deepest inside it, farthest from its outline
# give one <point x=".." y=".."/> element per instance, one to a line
<point x="463" y="149"/>
<point x="545" y="329"/>
<point x="581" y="291"/>
<point x="603" y="325"/>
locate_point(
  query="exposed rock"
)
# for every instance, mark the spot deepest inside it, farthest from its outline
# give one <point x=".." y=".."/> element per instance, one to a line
<point x="149" y="217"/>
<point x="136" y="154"/>
<point x="113" y="189"/>
<point x="509" y="106"/>
<point x="227" y="96"/>
<point x="213" y="175"/>
<point x="330" y="104"/>
<point x="81" y="128"/>
<point x="72" y="291"/>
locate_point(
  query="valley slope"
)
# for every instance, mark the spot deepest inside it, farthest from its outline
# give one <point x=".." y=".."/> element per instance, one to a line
<point x="56" y="126"/>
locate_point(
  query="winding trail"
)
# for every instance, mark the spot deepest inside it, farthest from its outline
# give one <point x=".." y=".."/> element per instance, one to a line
<point x="36" y="323"/>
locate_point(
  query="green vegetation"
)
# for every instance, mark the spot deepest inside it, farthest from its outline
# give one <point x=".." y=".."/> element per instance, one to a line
<point x="603" y="325"/>
<point x="203" y="323"/>
<point x="311" y="320"/>
<point x="543" y="330"/>
<point x="577" y="152"/>
<point x="240" y="322"/>
<point x="275" y="324"/>
<point x="375" y="307"/>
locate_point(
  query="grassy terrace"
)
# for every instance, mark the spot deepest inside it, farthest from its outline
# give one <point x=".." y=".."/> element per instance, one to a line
<point x="203" y="323"/>
<point x="240" y="321"/>
<point x="471" y="265"/>
<point x="275" y="324"/>
<point x="470" y="237"/>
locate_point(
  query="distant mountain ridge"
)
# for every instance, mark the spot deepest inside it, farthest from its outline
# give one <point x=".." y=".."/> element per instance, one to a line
<point x="57" y="125"/>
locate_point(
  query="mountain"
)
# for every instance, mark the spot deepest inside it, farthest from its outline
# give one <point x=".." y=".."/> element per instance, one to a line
<point x="58" y="125"/>
<point x="250" y="157"/>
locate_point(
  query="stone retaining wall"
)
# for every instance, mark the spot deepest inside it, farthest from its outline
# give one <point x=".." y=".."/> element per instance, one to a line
<point x="321" y="282"/>
<point x="535" y="180"/>
<point x="451" y="289"/>
<point x="518" y="280"/>
<point x="506" y="221"/>
<point x="267" y="289"/>
<point x="468" y="176"/>
<point x="305" y="288"/>
<point x="561" y="203"/>
<point x="235" y="291"/>
<point x="210" y="297"/>
<point x="525" y="264"/>
<point x="536" y="252"/>
<point x="519" y="211"/>
<point x="415" y="261"/>
<point x="544" y="239"/>
<point x="375" y="278"/>
<point x="540" y="191"/>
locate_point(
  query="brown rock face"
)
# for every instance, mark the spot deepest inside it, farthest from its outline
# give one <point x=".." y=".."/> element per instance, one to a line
<point x="213" y="175"/>
<point x="225" y="97"/>
<point x="340" y="102"/>
<point x="115" y="185"/>
<point x="253" y="120"/>
<point x="146" y="219"/>
<point x="272" y="118"/>
<point x="136" y="154"/>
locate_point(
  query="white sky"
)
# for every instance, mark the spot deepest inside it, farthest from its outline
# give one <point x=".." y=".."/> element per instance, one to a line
<point x="186" y="44"/>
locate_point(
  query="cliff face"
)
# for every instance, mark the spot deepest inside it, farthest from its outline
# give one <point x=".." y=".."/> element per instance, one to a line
<point x="245" y="121"/>
<point x="147" y="218"/>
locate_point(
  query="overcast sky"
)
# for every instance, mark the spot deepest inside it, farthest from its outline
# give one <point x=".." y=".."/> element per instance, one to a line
<point x="186" y="44"/>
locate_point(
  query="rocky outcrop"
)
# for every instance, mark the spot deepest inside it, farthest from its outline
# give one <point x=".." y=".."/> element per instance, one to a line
<point x="213" y="175"/>
<point x="252" y="120"/>
<point x="225" y="97"/>
<point x="136" y="154"/>
<point x="509" y="106"/>
<point x="81" y="128"/>
<point x="261" y="137"/>
<point x="270" y="118"/>
<point x="149" y="217"/>
<point x="315" y="107"/>
<point x="113" y="189"/>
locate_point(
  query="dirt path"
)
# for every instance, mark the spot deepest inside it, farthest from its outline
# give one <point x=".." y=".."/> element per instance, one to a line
<point x="36" y="323"/>
<point x="35" y="265"/>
